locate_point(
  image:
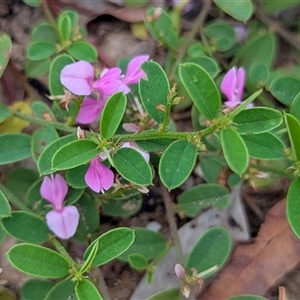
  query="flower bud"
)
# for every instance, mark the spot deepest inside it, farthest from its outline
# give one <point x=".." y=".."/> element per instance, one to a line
<point x="179" y="271"/>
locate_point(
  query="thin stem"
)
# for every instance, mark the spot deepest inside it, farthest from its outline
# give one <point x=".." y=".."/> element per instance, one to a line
<point x="172" y="223"/>
<point x="13" y="199"/>
<point x="34" y="120"/>
<point x="49" y="14"/>
<point x="196" y="29"/>
<point x="101" y="285"/>
<point x="166" y="117"/>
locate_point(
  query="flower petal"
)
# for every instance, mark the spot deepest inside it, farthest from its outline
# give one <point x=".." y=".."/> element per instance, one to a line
<point x="54" y="189"/>
<point x="98" y="177"/>
<point x="134" y="71"/>
<point x="134" y="146"/>
<point x="240" y="83"/>
<point x="77" y="77"/>
<point x="89" y="110"/>
<point x="232" y="104"/>
<point x="228" y="84"/>
<point x="64" y="222"/>
<point x="109" y="82"/>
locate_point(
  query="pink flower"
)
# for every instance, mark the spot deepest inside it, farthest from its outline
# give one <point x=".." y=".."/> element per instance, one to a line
<point x="78" y="77"/>
<point x="179" y="271"/>
<point x="133" y="73"/>
<point x="99" y="177"/>
<point x="62" y="220"/>
<point x="232" y="86"/>
<point x="89" y="110"/>
<point x="134" y="146"/>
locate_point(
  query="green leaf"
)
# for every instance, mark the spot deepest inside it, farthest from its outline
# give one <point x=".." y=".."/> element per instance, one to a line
<point x="285" y="89"/>
<point x="86" y="290"/>
<point x="208" y="64"/>
<point x="83" y="51"/>
<point x="4" y="112"/>
<point x="201" y="196"/>
<point x="273" y="6"/>
<point x="40" y="50"/>
<point x="257" y="120"/>
<point x="72" y="15"/>
<point x="38" y="261"/>
<point x="221" y="34"/>
<point x="177" y="163"/>
<point x="154" y="90"/>
<point x="44" y="32"/>
<point x="5" y="51"/>
<point x="211" y="168"/>
<point x="14" y="147"/>
<point x="246" y="297"/>
<point x="160" y="26"/>
<point x="132" y="166"/>
<point x="234" y="150"/>
<point x="64" y="289"/>
<point x="88" y="262"/>
<point x="42" y="111"/>
<point x="264" y="146"/>
<point x="295" y="108"/>
<point x="56" y="88"/>
<point x="239" y="10"/>
<point x="125" y="205"/>
<point x="212" y="249"/>
<point x="201" y="89"/>
<point x="36" y="289"/>
<point x="75" y="176"/>
<point x="37" y="68"/>
<point x="4" y="206"/>
<point x="171" y="294"/>
<point x="293" y="206"/>
<point x="44" y="161"/>
<point x="293" y="128"/>
<point x="147" y="243"/>
<point x="153" y="145"/>
<point x="258" y="74"/>
<point x="33" y="3"/>
<point x="2" y="234"/>
<point x="138" y="261"/>
<point x="112" y="115"/>
<point x="111" y="244"/>
<point x="26" y="227"/>
<point x="65" y="28"/>
<point x="41" y="139"/>
<point x="74" y="154"/>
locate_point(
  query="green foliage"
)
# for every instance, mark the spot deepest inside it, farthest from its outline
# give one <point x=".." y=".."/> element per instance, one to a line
<point x="201" y="196"/>
<point x="246" y="297"/>
<point x="292" y="206"/>
<point x="86" y="290"/>
<point x="5" y="51"/>
<point x="176" y="163"/>
<point x="212" y="249"/>
<point x="4" y="112"/>
<point x="5" y="209"/>
<point x="64" y="289"/>
<point x="36" y="289"/>
<point x="83" y="51"/>
<point x="38" y="261"/>
<point x="273" y="6"/>
<point x="173" y="294"/>
<point x="138" y="261"/>
<point x="293" y="128"/>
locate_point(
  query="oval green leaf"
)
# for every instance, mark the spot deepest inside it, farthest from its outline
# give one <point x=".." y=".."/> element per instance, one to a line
<point x="65" y="28"/>
<point x="201" y="196"/>
<point x="293" y="128"/>
<point x="112" y="115"/>
<point x="42" y="111"/>
<point x="111" y="244"/>
<point x="235" y="151"/>
<point x="207" y="63"/>
<point x="38" y="261"/>
<point x="26" y="227"/>
<point x="64" y="289"/>
<point x="257" y="120"/>
<point x="202" y="89"/>
<point x="173" y="294"/>
<point x="4" y="112"/>
<point x="75" y="177"/>
<point x="37" y="68"/>
<point x="264" y="146"/>
<point x="74" y="154"/>
<point x="247" y="297"/>
<point x="293" y="205"/>
<point x="5" y="51"/>
<point x="212" y="249"/>
<point x="177" y="163"/>
<point x="239" y="10"/>
<point x="258" y="74"/>
<point x="295" y="108"/>
<point x="36" y="289"/>
<point x="132" y="166"/>
<point x="83" y="51"/>
<point x="44" y="32"/>
<point x="40" y="50"/>
<point x="273" y="6"/>
<point x="14" y="147"/>
<point x="44" y="161"/>
<point x="86" y="290"/>
<point x="4" y="206"/>
<point x="154" y="90"/>
<point x="138" y="261"/>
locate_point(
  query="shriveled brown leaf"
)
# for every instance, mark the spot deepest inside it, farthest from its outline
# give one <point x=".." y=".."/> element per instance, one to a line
<point x="256" y="267"/>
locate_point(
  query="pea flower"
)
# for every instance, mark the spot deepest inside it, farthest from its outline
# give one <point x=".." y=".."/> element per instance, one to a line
<point x="135" y="147"/>
<point x="62" y="220"/>
<point x="232" y="86"/>
<point x="79" y="79"/>
<point x="99" y="177"/>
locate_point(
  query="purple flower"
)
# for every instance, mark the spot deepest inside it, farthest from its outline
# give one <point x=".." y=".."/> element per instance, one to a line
<point x="232" y="86"/>
<point x="133" y="73"/>
<point x="79" y="79"/>
<point x="99" y="177"/>
<point x="62" y="220"/>
<point x="89" y="110"/>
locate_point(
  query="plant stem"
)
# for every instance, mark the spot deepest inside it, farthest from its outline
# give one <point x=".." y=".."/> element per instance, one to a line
<point x="49" y="14"/>
<point x="196" y="29"/>
<point x="34" y="120"/>
<point x="101" y="285"/>
<point x="13" y="199"/>
<point x="172" y="223"/>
